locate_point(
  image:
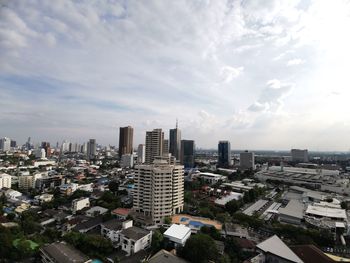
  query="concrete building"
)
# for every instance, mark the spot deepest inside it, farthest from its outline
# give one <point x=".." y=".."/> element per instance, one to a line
<point x="247" y="160"/>
<point x="300" y="155"/>
<point x="40" y="153"/>
<point x="133" y="239"/>
<point x="5" y="181"/>
<point x="293" y="213"/>
<point x="211" y="178"/>
<point x="165" y="147"/>
<point x="175" y="142"/>
<point x="47" y="148"/>
<point x="79" y="204"/>
<point x="178" y="234"/>
<point x="159" y="190"/>
<point x="5" y="144"/>
<point x="127" y="161"/>
<point x="187" y="153"/>
<point x="27" y="182"/>
<point x="126" y="137"/>
<point x="154" y="145"/>
<point x="141" y="154"/>
<point x="60" y="252"/>
<point x="91" y="149"/>
<point x="224" y="154"/>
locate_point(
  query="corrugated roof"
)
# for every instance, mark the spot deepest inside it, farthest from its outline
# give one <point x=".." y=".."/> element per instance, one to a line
<point x="276" y="246"/>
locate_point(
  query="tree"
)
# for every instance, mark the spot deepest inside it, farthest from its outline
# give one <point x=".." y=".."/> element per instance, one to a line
<point x="113" y="186"/>
<point x="211" y="231"/>
<point x="167" y="220"/>
<point x="200" y="248"/>
<point x="157" y="241"/>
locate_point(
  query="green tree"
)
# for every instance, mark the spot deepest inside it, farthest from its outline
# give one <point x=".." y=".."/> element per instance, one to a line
<point x="200" y="248"/>
<point x="113" y="187"/>
<point x="157" y="241"/>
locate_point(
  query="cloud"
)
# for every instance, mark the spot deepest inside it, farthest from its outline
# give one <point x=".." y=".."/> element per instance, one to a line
<point x="294" y="62"/>
<point x="90" y="66"/>
<point x="271" y="97"/>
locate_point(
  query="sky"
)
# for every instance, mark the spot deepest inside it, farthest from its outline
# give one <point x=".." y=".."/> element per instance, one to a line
<point x="270" y="74"/>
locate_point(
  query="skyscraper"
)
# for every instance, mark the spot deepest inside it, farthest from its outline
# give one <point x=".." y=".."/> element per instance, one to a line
<point x="187" y="153"/>
<point x="126" y="135"/>
<point x="224" y="154"/>
<point x="165" y="147"/>
<point x="5" y="144"/>
<point x="247" y="160"/>
<point x="47" y="148"/>
<point x="159" y="189"/>
<point x="91" y="149"/>
<point x="154" y="144"/>
<point x="175" y="142"/>
<point x="141" y="154"/>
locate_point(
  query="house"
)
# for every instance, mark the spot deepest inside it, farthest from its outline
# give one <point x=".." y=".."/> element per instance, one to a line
<point x="163" y="256"/>
<point x="79" y="204"/>
<point x="275" y="250"/>
<point x="88" y="225"/>
<point x="111" y="230"/>
<point x="121" y="213"/>
<point x="178" y="234"/>
<point x="129" y="238"/>
<point x="134" y="239"/>
<point x="310" y="254"/>
<point x="60" y="252"/>
<point x="95" y="211"/>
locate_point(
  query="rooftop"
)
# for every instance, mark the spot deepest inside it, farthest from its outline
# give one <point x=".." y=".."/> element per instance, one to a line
<point x="276" y="246"/>
<point x="294" y="208"/>
<point x="326" y="212"/>
<point x="164" y="256"/>
<point x="64" y="253"/>
<point x="177" y="231"/>
<point x="135" y="233"/>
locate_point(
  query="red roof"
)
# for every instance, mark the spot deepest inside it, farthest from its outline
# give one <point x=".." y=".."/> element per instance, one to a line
<point x="121" y="211"/>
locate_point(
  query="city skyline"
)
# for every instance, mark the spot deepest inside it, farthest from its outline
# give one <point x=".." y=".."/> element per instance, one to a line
<point x="269" y="75"/>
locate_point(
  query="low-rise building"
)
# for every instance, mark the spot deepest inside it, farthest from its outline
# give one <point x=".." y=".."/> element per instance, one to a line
<point x="79" y="204"/>
<point x="5" y="181"/>
<point x="39" y="199"/>
<point x="96" y="211"/>
<point x="60" y="252"/>
<point x="178" y="234"/>
<point x="212" y="178"/>
<point x="293" y="213"/>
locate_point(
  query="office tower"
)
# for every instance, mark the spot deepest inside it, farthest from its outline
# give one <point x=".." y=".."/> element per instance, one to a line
<point x="159" y="189"/>
<point x="247" y="160"/>
<point x="165" y="147"/>
<point x="224" y="154"/>
<point x="91" y="149"/>
<point x="154" y="144"/>
<point x="126" y="135"/>
<point x="13" y="144"/>
<point x="28" y="145"/>
<point x="300" y="155"/>
<point x="141" y="154"/>
<point x="40" y="153"/>
<point x="175" y="142"/>
<point x="46" y="147"/>
<point x="127" y="161"/>
<point x="5" y="144"/>
<point x="187" y="153"/>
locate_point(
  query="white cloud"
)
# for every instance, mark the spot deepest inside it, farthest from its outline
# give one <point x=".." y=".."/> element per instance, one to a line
<point x="294" y="62"/>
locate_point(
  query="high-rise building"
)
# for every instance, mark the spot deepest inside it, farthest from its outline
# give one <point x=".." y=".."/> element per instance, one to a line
<point x="47" y="148"/>
<point x="5" y="181"/>
<point x="91" y="149"/>
<point x="175" y="142"/>
<point x="126" y="135"/>
<point x="224" y="154"/>
<point x="300" y="155"/>
<point x="154" y="144"/>
<point x="247" y="160"/>
<point x="165" y="147"/>
<point x="13" y="144"/>
<point x="187" y="153"/>
<point x="141" y="154"/>
<point x="159" y="189"/>
<point x="5" y="144"/>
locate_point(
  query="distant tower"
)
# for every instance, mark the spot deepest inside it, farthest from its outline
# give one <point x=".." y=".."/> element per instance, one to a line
<point x="126" y="135"/>
<point x="187" y="153"/>
<point x="154" y="145"/>
<point x="175" y="142"/>
<point x="224" y="154"/>
<point x="91" y="149"/>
